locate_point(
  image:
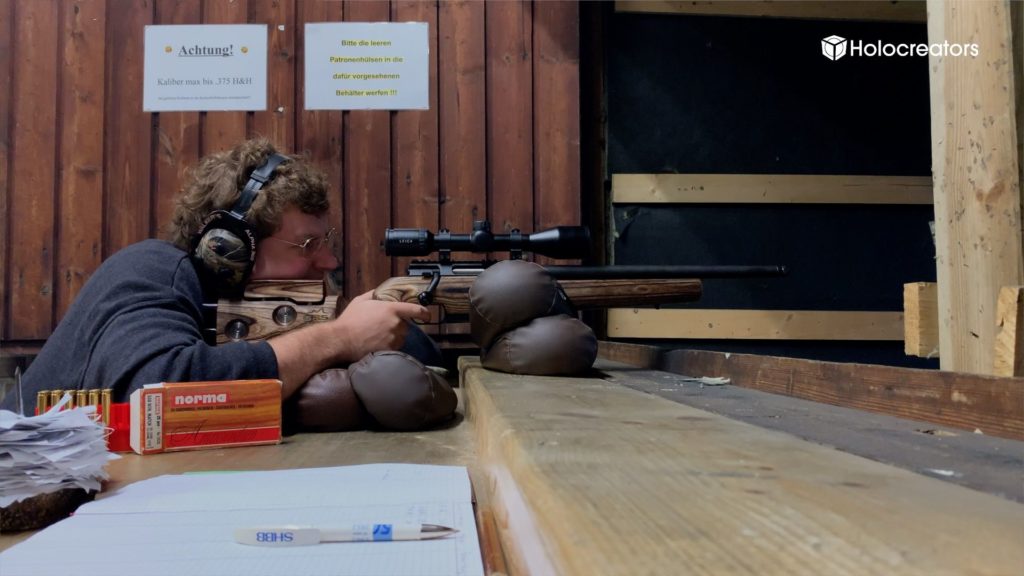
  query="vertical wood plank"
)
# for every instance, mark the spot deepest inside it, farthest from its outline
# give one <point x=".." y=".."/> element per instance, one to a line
<point x="79" y="243"/>
<point x="318" y="133"/>
<point x="367" y="178"/>
<point x="509" y="33"/>
<point x="977" y="188"/>
<point x="462" y="109"/>
<point x="177" y="146"/>
<point x="223" y="130"/>
<point x="1009" y="353"/>
<point x="921" y="319"/>
<point x="33" y="177"/>
<point x="277" y="122"/>
<point x="127" y="129"/>
<point x="6" y="62"/>
<point x="556" y="115"/>
<point x="415" y="142"/>
<point x="1017" y="31"/>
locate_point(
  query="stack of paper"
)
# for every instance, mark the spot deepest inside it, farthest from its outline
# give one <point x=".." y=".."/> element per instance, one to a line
<point x="186" y="524"/>
<point x="55" y="450"/>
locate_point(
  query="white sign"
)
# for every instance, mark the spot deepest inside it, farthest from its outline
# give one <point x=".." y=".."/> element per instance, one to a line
<point x="205" y="67"/>
<point x="367" y="66"/>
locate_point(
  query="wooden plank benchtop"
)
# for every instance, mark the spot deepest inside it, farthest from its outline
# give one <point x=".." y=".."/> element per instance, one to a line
<point x="592" y="477"/>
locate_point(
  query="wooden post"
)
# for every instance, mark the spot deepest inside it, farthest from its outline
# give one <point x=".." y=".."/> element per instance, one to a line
<point x="1009" y="352"/>
<point x="921" y="319"/>
<point x="975" y="170"/>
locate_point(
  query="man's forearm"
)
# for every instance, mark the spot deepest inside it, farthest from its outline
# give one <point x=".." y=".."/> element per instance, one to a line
<point x="304" y="352"/>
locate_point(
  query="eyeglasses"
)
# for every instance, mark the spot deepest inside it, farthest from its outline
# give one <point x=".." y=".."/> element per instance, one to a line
<point x="310" y="246"/>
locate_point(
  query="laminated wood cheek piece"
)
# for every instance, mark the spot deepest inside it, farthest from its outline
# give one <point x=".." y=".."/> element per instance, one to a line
<point x="524" y="323"/>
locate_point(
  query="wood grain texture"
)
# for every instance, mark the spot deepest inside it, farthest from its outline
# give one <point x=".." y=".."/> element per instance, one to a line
<point x="127" y="129"/>
<point x="452" y="292"/>
<point x="462" y="116"/>
<point x="318" y="133"/>
<point x="415" y="179"/>
<point x="223" y="130"/>
<point x="305" y="301"/>
<point x="277" y="122"/>
<point x="755" y="324"/>
<point x="509" y="36"/>
<point x="1017" y="31"/>
<point x="556" y="115"/>
<point x="977" y="188"/>
<point x="921" y="319"/>
<point x="80" y="225"/>
<point x="6" y="69"/>
<point x="1009" y="353"/>
<point x="770" y="189"/>
<point x="177" y="134"/>
<point x="649" y="486"/>
<point x="995" y="406"/>
<point x="32" y="177"/>
<point x="461" y="107"/>
<point x="145" y="156"/>
<point x="368" y="185"/>
<point x="895" y="11"/>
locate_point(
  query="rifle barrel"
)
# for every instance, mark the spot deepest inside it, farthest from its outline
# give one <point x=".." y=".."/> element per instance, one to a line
<point x="643" y="272"/>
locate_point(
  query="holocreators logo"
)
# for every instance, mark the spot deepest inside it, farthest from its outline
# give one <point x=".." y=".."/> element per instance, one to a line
<point x="835" y="47"/>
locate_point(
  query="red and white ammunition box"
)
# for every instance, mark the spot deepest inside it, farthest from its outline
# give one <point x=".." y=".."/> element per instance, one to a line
<point x="173" y="416"/>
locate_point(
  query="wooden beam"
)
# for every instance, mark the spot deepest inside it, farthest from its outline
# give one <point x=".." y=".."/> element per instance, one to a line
<point x="1017" y="26"/>
<point x="977" y="188"/>
<point x="771" y="189"/>
<point x="754" y="324"/>
<point x="905" y="11"/>
<point x="991" y="405"/>
<point x="921" y="319"/>
<point x="593" y="477"/>
<point x="1009" y="354"/>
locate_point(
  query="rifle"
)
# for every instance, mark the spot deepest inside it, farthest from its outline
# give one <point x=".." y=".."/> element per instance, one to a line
<point x="273" y="307"/>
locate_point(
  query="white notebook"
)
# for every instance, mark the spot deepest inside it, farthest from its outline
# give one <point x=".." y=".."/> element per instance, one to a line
<point x="184" y="524"/>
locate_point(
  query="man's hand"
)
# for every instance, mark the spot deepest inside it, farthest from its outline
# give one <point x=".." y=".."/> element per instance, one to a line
<point x="369" y="325"/>
<point x="365" y="326"/>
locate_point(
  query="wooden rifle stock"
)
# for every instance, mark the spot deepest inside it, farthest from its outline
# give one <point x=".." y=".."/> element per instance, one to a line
<point x="272" y="307"/>
<point x="452" y="292"/>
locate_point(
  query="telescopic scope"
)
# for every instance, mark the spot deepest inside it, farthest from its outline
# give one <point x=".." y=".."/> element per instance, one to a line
<point x="558" y="242"/>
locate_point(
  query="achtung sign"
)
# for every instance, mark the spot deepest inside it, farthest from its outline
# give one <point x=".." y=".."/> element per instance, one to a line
<point x="367" y="66"/>
<point x="205" y="67"/>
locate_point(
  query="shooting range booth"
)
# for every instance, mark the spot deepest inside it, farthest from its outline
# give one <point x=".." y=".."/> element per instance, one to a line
<point x="862" y="413"/>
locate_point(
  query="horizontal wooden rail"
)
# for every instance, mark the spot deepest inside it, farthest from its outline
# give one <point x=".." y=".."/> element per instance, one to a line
<point x="754" y="324"/>
<point x="770" y="189"/>
<point x="905" y="11"/>
<point x="988" y="404"/>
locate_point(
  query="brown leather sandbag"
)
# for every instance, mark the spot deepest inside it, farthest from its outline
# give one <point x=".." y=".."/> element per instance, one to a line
<point x="548" y="346"/>
<point x="400" y="392"/>
<point x="327" y="403"/>
<point x="509" y="294"/>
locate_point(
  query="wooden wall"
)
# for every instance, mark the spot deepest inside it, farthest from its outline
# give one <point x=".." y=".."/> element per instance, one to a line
<point x="84" y="171"/>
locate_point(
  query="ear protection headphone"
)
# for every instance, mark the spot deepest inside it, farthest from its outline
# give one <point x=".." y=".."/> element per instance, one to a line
<point x="224" y="251"/>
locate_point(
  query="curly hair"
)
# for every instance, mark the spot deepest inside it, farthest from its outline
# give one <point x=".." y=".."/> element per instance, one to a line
<point x="216" y="184"/>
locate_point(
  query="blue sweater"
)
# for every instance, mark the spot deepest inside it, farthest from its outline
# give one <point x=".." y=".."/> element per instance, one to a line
<point x="137" y="321"/>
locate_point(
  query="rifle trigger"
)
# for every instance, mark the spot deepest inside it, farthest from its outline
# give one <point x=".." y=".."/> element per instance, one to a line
<point x="427" y="296"/>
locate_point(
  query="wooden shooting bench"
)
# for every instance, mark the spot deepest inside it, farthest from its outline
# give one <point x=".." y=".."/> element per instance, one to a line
<point x="603" y="475"/>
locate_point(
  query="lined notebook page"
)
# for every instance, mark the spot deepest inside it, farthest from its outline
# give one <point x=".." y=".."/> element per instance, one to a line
<point x="184" y="525"/>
